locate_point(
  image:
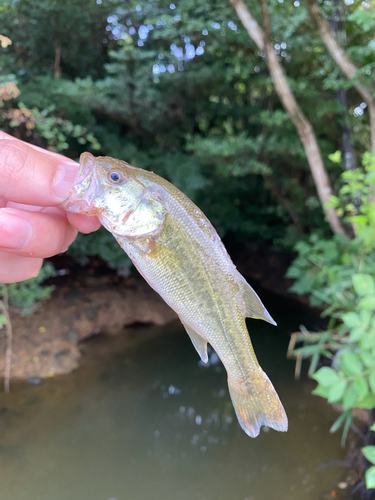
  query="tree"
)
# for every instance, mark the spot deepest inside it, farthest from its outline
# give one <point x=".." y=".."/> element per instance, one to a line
<point x="366" y="20"/>
<point x="185" y="92"/>
<point x="303" y="126"/>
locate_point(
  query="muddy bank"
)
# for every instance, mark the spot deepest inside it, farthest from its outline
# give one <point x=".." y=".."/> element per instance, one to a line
<point x="47" y="343"/>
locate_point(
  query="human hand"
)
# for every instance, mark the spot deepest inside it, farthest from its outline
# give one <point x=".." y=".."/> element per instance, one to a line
<point x="33" y="183"/>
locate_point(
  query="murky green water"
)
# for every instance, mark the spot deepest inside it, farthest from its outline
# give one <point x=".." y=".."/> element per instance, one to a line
<point x="149" y="422"/>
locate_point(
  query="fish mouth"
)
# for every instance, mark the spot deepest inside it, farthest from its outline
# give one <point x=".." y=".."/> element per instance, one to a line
<point x="82" y="193"/>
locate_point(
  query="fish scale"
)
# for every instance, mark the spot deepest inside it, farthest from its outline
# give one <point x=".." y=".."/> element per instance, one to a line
<point x="177" y="250"/>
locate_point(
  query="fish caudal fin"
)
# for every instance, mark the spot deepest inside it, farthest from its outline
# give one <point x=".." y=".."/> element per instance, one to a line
<point x="256" y="403"/>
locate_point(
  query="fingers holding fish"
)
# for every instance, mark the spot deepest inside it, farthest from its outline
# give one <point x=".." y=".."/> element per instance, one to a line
<point x="83" y="223"/>
<point x="33" y="183"/>
<point x="34" y="234"/>
<point x="37" y="177"/>
<point x="30" y="176"/>
<point x="15" y="268"/>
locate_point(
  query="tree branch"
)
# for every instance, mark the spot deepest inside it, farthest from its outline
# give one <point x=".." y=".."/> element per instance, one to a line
<point x="4" y="307"/>
<point x="342" y="60"/>
<point x="303" y="126"/>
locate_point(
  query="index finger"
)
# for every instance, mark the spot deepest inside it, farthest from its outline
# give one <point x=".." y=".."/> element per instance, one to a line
<point x="32" y="176"/>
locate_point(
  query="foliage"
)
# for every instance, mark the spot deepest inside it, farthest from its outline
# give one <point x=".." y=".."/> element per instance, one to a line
<point x="369" y="453"/>
<point x="181" y="90"/>
<point x="356" y="198"/>
<point x="25" y="295"/>
<point x="99" y="243"/>
<point x="3" y="314"/>
<point x="340" y="275"/>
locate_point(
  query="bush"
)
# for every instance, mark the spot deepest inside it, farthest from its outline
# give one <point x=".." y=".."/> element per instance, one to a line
<point x="339" y="275"/>
<point x="25" y="295"/>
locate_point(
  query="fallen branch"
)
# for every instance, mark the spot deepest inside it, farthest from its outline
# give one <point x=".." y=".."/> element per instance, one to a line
<point x="9" y="336"/>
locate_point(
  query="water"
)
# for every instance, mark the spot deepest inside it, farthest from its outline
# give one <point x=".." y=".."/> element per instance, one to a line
<point x="148" y="422"/>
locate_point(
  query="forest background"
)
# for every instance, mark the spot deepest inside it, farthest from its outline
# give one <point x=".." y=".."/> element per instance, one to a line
<point x="262" y="113"/>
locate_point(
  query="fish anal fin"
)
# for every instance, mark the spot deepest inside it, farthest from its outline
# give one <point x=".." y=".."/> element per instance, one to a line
<point x="199" y="343"/>
<point x="254" y="307"/>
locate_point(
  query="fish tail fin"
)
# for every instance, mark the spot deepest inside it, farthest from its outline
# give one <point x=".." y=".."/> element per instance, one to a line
<point x="256" y="403"/>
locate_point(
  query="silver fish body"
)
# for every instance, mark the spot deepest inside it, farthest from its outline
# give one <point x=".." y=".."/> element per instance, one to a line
<point x="179" y="253"/>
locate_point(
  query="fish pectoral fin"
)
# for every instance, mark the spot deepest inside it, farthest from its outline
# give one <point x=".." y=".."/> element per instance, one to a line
<point x="254" y="307"/>
<point x="199" y="343"/>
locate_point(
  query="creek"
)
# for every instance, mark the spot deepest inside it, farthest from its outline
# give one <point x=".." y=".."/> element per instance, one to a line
<point x="148" y="421"/>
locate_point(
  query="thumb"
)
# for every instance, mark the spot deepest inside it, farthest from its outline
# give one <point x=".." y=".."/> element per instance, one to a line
<point x="32" y="176"/>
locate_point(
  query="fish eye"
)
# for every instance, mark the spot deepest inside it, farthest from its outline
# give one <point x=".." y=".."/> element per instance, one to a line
<point x="116" y="176"/>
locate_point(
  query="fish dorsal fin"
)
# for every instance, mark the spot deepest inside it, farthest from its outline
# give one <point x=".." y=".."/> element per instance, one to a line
<point x="254" y="307"/>
<point x="199" y="343"/>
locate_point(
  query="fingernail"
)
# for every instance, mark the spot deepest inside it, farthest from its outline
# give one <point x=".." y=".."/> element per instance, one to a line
<point x="15" y="233"/>
<point x="64" y="179"/>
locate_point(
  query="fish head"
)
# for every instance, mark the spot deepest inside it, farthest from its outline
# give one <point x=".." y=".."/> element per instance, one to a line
<point x="114" y="191"/>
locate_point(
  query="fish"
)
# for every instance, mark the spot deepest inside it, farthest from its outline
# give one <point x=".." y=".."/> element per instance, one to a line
<point x="176" y="249"/>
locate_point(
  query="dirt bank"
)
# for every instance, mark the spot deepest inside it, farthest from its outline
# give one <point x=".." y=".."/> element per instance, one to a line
<point x="47" y="343"/>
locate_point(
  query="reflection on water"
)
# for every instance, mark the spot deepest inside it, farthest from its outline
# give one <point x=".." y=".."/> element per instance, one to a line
<point x="151" y="422"/>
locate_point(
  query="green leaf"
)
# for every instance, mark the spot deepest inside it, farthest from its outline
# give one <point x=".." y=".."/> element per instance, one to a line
<point x="367" y="359"/>
<point x="336" y="391"/>
<point x="350" y="363"/>
<point x="362" y="387"/>
<point x="321" y="391"/>
<point x="367" y="302"/>
<point x="337" y="424"/>
<point x="347" y="425"/>
<point x="351" y="319"/>
<point x="364" y="284"/>
<point x="357" y="333"/>
<point x="365" y="315"/>
<point x="333" y="202"/>
<point x="367" y="342"/>
<point x="350" y="397"/>
<point x="370" y="477"/>
<point x="371" y="380"/>
<point x="335" y="157"/>
<point x="368" y="402"/>
<point x="369" y="453"/>
<point x="303" y="248"/>
<point x="363" y="18"/>
<point x="372" y="428"/>
<point x="3" y="320"/>
<point x="326" y="376"/>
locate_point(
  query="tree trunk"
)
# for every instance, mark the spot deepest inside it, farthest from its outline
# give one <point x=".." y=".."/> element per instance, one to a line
<point x="303" y="126"/>
<point x="343" y="61"/>
<point x="349" y="157"/>
<point x="347" y="149"/>
<point x="57" y="64"/>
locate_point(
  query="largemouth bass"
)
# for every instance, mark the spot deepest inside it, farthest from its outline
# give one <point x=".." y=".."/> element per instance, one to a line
<point x="178" y="252"/>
